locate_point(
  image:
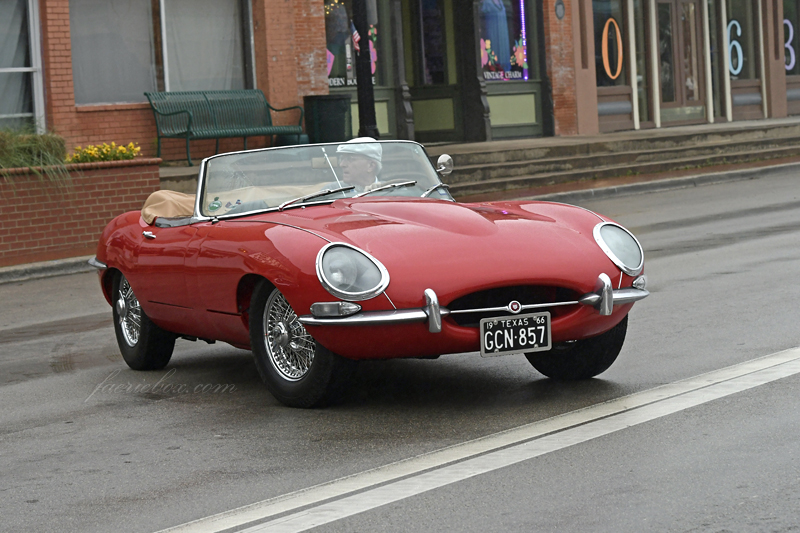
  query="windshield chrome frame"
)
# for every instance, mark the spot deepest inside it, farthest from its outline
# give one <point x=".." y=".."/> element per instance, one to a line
<point x="201" y="179"/>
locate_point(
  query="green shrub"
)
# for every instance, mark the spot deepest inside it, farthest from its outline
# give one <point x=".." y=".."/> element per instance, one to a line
<point x="40" y="153"/>
<point x="19" y="149"/>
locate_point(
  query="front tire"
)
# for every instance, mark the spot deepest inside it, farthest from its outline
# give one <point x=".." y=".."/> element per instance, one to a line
<point x="144" y="346"/>
<point x="296" y="369"/>
<point x="581" y="359"/>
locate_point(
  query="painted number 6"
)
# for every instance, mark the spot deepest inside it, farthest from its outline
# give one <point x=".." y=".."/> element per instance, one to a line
<point x="734" y="45"/>
<point x="788" y="45"/>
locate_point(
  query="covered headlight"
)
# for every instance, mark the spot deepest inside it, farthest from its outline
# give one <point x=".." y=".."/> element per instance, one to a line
<point x="349" y="273"/>
<point x="620" y="246"/>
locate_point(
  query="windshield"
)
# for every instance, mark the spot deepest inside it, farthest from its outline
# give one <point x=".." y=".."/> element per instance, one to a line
<point x="288" y="177"/>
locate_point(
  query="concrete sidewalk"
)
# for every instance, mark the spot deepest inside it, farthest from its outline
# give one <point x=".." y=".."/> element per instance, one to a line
<point x="567" y="193"/>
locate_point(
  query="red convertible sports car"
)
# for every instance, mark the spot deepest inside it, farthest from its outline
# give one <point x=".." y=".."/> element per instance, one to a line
<point x="318" y="255"/>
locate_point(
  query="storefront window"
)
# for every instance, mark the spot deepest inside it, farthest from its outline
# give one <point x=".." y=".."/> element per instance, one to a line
<point x="608" y="38"/>
<point x="343" y="43"/>
<point x="118" y="52"/>
<point x="743" y="54"/>
<point x="503" y="42"/>
<point x="204" y="45"/>
<point x="790" y="37"/>
<point x="16" y="102"/>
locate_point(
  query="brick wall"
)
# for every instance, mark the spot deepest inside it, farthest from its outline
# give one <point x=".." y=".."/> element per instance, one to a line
<point x="559" y="43"/>
<point x="290" y="63"/>
<point x="42" y="221"/>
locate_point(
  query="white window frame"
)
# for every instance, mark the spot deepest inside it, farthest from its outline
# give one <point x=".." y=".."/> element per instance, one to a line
<point x="36" y="69"/>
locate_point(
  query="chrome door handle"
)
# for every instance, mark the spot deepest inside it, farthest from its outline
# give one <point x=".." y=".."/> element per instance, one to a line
<point x="148" y="235"/>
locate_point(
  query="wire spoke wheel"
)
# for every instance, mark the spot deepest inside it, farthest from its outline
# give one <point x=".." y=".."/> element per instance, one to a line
<point x="297" y="370"/>
<point x="143" y="345"/>
<point x="289" y="346"/>
<point x="129" y="312"/>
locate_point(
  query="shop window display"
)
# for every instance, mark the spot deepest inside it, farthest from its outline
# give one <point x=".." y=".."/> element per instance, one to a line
<point x="503" y="42"/>
<point x="344" y="42"/>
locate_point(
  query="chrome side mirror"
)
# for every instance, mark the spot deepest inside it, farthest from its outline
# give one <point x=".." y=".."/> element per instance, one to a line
<point x="444" y="165"/>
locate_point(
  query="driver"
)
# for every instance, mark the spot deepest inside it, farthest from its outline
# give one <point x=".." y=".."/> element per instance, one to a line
<point x="360" y="162"/>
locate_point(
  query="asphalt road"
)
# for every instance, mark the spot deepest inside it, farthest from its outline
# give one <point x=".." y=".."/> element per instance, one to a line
<point x="88" y="445"/>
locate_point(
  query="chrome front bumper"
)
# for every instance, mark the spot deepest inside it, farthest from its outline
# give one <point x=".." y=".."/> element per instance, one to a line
<point x="603" y="299"/>
<point x="99" y="265"/>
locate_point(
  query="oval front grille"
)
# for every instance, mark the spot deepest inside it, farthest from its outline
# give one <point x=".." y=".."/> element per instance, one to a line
<point x="502" y="296"/>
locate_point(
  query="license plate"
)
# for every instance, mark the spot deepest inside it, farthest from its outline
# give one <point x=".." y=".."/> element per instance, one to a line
<point x="515" y="334"/>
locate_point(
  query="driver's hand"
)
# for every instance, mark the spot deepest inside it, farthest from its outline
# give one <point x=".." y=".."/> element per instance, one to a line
<point x="375" y="185"/>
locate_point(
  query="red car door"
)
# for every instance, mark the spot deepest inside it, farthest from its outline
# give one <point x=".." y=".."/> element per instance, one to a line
<point x="159" y="277"/>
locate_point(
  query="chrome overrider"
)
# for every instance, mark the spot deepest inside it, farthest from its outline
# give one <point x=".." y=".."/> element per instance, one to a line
<point x="604" y="298"/>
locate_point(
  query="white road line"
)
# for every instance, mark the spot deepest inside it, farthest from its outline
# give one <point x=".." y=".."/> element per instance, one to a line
<point x="426" y="472"/>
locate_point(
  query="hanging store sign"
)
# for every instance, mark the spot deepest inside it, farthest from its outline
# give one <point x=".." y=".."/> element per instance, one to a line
<point x="735" y="46"/>
<point x="791" y="58"/>
<point x="606" y="60"/>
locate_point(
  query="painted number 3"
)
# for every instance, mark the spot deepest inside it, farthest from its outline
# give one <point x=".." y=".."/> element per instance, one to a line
<point x="790" y="56"/>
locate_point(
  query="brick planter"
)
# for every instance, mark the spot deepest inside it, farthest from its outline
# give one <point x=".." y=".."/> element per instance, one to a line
<point x="42" y="221"/>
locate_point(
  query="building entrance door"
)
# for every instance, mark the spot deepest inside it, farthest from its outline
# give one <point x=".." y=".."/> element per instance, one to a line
<point x="681" y="61"/>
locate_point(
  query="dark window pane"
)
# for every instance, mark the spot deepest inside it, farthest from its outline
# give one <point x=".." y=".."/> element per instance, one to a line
<point x="691" y="43"/>
<point x="15" y="93"/>
<point x="608" y="38"/>
<point x="667" y="70"/>
<point x="14" y="47"/>
<point x="433" y="42"/>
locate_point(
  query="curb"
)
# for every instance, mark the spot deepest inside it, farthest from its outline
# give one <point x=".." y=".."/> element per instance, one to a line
<point x="666" y="184"/>
<point x="45" y="269"/>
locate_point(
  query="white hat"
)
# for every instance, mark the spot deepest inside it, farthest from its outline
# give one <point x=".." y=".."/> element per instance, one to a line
<point x="363" y="146"/>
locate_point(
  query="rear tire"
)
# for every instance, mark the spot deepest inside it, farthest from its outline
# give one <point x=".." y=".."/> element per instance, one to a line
<point x="581" y="359"/>
<point x="296" y="369"/>
<point x="144" y="346"/>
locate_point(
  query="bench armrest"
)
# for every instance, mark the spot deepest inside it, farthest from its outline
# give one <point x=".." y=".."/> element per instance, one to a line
<point x="300" y="122"/>
<point x="182" y="111"/>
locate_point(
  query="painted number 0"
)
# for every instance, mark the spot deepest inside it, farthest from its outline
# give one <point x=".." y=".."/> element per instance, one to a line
<point x="606" y="63"/>
<point x="789" y="47"/>
<point x="734" y="45"/>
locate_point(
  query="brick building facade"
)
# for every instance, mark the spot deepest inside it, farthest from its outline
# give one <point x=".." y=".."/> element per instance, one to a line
<point x="441" y="68"/>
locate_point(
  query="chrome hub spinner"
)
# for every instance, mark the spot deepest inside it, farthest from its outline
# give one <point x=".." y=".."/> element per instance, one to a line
<point x="122" y="309"/>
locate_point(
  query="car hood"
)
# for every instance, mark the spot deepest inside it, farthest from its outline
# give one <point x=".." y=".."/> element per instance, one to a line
<point x="450" y="247"/>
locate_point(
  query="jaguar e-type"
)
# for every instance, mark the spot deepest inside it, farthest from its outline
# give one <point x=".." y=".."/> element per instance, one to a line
<point x="284" y="253"/>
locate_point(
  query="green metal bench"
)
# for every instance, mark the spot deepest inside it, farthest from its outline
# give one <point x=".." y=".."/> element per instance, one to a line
<point x="195" y="115"/>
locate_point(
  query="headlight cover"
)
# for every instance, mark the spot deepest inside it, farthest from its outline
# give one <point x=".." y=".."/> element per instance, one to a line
<point x="349" y="273"/>
<point x="620" y="246"/>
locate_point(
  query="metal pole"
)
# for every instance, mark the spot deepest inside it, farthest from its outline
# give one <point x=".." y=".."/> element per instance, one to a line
<point x="367" y="123"/>
<point x="654" y="60"/>
<point x="634" y="75"/>
<point x="726" y="61"/>
<point x="707" y="62"/>
<point x="763" y="58"/>
<point x="164" y="51"/>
